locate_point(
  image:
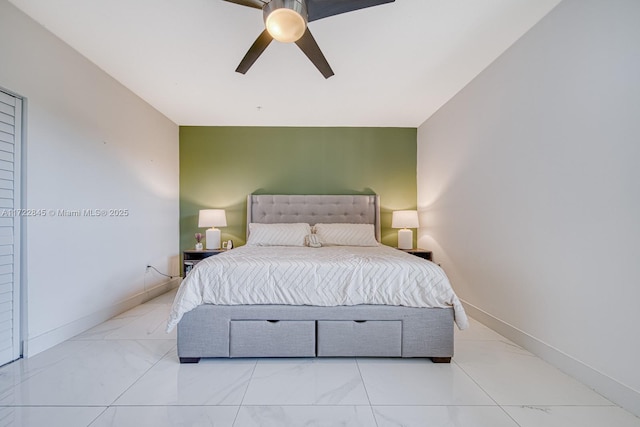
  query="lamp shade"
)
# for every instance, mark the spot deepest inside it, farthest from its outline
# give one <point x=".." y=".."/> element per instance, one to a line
<point x="405" y="219"/>
<point x="212" y="218"/>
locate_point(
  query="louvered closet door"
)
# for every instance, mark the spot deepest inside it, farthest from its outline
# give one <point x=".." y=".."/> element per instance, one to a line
<point x="10" y="142"/>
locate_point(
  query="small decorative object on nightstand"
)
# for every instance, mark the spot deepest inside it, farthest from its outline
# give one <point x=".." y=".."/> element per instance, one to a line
<point x="190" y="258"/>
<point x="422" y="253"/>
<point x="405" y="220"/>
<point x="198" y="241"/>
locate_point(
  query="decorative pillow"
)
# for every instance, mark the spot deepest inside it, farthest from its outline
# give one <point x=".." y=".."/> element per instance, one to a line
<point x="313" y="241"/>
<point x="346" y="234"/>
<point x="278" y="234"/>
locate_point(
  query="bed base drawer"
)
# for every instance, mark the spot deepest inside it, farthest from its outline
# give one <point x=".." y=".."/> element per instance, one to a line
<point x="371" y="338"/>
<point x="272" y="338"/>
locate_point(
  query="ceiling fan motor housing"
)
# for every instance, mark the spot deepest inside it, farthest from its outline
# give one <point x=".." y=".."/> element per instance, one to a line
<point x="286" y="20"/>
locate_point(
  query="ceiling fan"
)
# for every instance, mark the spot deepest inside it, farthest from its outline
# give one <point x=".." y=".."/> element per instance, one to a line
<point x="286" y="21"/>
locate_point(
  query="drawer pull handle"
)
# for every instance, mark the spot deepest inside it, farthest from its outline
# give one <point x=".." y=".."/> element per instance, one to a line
<point x="360" y="321"/>
<point x="273" y="321"/>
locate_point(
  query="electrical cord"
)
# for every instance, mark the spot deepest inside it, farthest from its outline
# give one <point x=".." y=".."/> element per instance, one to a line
<point x="161" y="273"/>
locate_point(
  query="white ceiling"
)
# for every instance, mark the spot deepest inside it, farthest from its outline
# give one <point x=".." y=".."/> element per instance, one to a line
<point x="395" y="64"/>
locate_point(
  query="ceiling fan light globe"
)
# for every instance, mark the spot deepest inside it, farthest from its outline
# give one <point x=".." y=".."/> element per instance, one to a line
<point x="285" y="25"/>
<point x="285" y="20"/>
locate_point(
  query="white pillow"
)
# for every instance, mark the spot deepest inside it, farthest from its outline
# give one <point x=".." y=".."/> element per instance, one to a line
<point x="278" y="234"/>
<point x="346" y="234"/>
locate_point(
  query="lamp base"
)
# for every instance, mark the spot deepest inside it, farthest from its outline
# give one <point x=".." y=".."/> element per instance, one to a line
<point x="213" y="238"/>
<point x="405" y="239"/>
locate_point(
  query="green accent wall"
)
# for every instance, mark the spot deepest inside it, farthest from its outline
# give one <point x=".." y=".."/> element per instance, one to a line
<point x="220" y="166"/>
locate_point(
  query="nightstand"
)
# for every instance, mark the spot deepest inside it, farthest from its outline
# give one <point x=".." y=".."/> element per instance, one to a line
<point x="191" y="257"/>
<point x="422" y="253"/>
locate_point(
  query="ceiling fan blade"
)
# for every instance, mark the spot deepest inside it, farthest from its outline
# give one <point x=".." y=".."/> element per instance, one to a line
<point x="254" y="52"/>
<point x="308" y="45"/>
<point x="256" y="4"/>
<point x="318" y="9"/>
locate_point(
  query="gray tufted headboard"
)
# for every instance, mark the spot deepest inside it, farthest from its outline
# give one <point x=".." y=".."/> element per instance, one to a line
<point x="353" y="209"/>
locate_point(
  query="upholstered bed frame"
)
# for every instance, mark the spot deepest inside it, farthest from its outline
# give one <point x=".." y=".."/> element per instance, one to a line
<point x="310" y="331"/>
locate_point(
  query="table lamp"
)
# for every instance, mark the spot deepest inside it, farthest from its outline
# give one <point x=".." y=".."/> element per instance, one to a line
<point x="212" y="218"/>
<point x="405" y="220"/>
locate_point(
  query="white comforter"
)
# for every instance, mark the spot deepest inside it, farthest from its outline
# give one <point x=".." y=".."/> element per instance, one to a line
<point x="327" y="276"/>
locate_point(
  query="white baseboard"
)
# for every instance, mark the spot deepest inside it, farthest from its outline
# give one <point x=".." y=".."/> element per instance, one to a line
<point x="610" y="388"/>
<point x="35" y="345"/>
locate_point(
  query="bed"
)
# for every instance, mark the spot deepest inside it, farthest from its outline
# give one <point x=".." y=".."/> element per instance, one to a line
<point x="321" y="314"/>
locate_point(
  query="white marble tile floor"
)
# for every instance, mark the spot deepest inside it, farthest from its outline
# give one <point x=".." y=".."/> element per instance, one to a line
<point x="125" y="372"/>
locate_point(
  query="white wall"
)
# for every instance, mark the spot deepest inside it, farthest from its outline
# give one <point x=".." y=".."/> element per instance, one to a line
<point x="528" y="187"/>
<point x="91" y="144"/>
